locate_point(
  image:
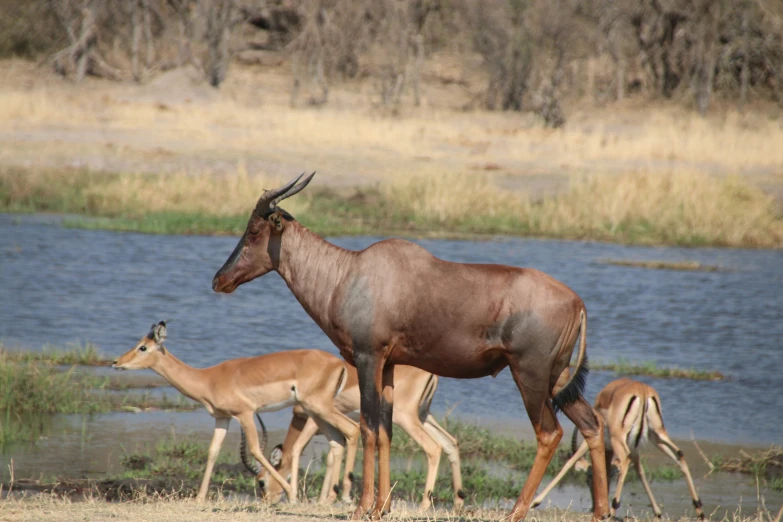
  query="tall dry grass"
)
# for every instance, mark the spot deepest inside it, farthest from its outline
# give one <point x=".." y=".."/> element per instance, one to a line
<point x="133" y="195"/>
<point x="683" y="208"/>
<point x="354" y="132"/>
<point x="688" y="208"/>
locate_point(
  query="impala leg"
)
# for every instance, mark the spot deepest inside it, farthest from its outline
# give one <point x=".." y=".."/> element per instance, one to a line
<point x="247" y="422"/>
<point x="591" y="425"/>
<point x="352" y="446"/>
<point x="548" y="435"/>
<point x="221" y="426"/>
<point x="369" y="418"/>
<point x="342" y="431"/>
<point x="309" y="430"/>
<point x="640" y="470"/>
<point x="334" y="460"/>
<point x="568" y="465"/>
<point x="662" y="440"/>
<point x="413" y="427"/>
<point x="451" y="449"/>
<point x="618" y="490"/>
<point x="383" y="501"/>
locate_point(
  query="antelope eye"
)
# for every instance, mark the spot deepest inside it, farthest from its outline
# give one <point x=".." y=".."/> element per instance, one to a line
<point x="142" y="348"/>
<point x="253" y="231"/>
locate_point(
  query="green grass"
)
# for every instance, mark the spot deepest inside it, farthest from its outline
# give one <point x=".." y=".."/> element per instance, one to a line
<point x="686" y="266"/>
<point x="651" y="369"/>
<point x="639" y="208"/>
<point x="31" y="390"/>
<point x="72" y="354"/>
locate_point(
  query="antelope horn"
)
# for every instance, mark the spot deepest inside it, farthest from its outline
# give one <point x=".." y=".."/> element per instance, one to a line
<point x="270" y="198"/>
<point x="267" y="199"/>
<point x="250" y="463"/>
<point x="294" y="190"/>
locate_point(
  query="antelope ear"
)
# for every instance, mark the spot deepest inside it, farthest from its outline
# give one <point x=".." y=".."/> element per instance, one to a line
<point x="159" y="332"/>
<point x="276" y="457"/>
<point x="276" y="219"/>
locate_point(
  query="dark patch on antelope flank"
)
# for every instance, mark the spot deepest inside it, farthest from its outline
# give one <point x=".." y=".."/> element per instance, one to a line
<point x="357" y="314"/>
<point x="502" y="332"/>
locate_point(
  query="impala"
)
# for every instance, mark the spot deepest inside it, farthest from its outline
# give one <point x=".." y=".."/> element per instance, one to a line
<point x="238" y="388"/>
<point x="631" y="412"/>
<point x="395" y="303"/>
<point x="414" y="391"/>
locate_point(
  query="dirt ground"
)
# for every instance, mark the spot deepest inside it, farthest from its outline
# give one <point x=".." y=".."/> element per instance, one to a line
<point x="178" y="123"/>
<point x="44" y="508"/>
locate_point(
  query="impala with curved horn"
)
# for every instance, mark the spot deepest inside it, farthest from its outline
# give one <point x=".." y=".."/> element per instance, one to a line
<point x="631" y="412"/>
<point x="240" y="388"/>
<point x="395" y="303"/>
<point x="414" y="389"/>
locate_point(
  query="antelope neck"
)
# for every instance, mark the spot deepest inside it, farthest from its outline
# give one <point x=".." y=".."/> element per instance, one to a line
<point x="187" y="379"/>
<point x="313" y="268"/>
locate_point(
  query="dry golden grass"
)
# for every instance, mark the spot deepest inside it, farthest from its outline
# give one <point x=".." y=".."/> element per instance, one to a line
<point x="686" y="208"/>
<point x="243" y="120"/>
<point x="642" y="207"/>
<point x="160" y="508"/>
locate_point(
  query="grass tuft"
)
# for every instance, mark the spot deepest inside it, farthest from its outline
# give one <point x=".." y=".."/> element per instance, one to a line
<point x="73" y="354"/>
<point x="31" y="390"/>
<point x="685" y="266"/>
<point x="651" y="369"/>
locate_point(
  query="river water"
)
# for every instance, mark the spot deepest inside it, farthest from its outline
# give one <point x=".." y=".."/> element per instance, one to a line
<point x="62" y="285"/>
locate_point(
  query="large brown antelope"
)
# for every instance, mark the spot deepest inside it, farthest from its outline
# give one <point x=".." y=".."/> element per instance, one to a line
<point x="238" y="388"/>
<point x="395" y="303"/>
<point x="413" y="397"/>
<point x="631" y="412"/>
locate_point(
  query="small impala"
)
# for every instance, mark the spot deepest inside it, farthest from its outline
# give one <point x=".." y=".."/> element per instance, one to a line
<point x="239" y="388"/>
<point x="631" y="412"/>
<point x="414" y="391"/>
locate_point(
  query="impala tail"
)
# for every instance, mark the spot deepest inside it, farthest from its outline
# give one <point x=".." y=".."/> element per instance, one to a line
<point x="576" y="385"/>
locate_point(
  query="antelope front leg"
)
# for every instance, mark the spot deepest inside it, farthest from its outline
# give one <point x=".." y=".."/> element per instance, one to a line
<point x="249" y="427"/>
<point x="221" y="426"/>
<point x="369" y="419"/>
<point x="383" y="501"/>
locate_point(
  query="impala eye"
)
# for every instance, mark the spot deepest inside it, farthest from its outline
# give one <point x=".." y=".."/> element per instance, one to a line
<point x="142" y="348"/>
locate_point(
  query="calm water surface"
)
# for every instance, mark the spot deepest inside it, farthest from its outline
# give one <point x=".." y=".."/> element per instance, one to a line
<point x="63" y="285"/>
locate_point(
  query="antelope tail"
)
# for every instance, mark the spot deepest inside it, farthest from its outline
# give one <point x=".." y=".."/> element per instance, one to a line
<point x="576" y="385"/>
<point x="251" y="463"/>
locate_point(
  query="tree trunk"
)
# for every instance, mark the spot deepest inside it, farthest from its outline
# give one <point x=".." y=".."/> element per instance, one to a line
<point x="745" y="72"/>
<point x="135" y="39"/>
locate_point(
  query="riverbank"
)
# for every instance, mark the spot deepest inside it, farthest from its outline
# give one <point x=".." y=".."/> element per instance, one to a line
<point x="675" y="208"/>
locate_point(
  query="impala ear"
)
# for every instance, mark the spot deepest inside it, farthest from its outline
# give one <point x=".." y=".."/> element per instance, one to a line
<point x="276" y="457"/>
<point x="159" y="332"/>
<point x="276" y="219"/>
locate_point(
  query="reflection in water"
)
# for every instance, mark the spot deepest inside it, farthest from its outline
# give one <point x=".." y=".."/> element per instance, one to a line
<point x="64" y="285"/>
